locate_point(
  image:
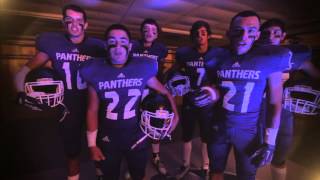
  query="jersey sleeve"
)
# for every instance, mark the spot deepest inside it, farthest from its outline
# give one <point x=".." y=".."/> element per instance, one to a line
<point x="86" y="69"/>
<point x="42" y="42"/>
<point x="163" y="52"/>
<point x="100" y="48"/>
<point x="285" y="58"/>
<point x="135" y="46"/>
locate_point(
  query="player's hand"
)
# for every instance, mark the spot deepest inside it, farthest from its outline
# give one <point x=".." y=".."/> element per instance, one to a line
<point x="96" y="153"/>
<point x="206" y="97"/>
<point x="263" y="155"/>
<point x="174" y="123"/>
<point x="21" y="97"/>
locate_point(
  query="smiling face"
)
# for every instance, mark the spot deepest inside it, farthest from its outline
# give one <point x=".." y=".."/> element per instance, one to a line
<point x="118" y="46"/>
<point x="243" y="32"/>
<point x="272" y="35"/>
<point x="149" y="33"/>
<point x="75" y="23"/>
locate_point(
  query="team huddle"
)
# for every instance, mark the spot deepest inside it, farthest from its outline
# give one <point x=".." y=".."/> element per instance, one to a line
<point x="244" y="96"/>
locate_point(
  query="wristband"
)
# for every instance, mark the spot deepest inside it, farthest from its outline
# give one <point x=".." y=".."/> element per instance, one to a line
<point x="92" y="137"/>
<point x="270" y="136"/>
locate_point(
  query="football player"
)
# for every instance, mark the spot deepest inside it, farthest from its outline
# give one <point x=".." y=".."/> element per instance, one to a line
<point x="191" y="60"/>
<point x="242" y="74"/>
<point x="116" y="87"/>
<point x="35" y="149"/>
<point x="149" y="47"/>
<point x="273" y="33"/>
<point x="67" y="51"/>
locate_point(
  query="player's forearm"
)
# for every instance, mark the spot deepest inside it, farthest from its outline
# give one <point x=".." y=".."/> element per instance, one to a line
<point x="92" y="120"/>
<point x="19" y="78"/>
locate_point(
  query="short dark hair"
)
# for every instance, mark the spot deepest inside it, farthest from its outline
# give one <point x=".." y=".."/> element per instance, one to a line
<point x="273" y="22"/>
<point x="74" y="8"/>
<point x="247" y="13"/>
<point x="150" y="21"/>
<point x="197" y="25"/>
<point x="117" y="27"/>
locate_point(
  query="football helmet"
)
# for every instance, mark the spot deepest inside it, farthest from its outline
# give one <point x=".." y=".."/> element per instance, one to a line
<point x="44" y="86"/>
<point x="156" y="116"/>
<point x="302" y="100"/>
<point x="178" y="84"/>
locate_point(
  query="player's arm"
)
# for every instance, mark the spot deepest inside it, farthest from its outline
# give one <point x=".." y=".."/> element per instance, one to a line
<point x="38" y="60"/>
<point x="156" y="85"/>
<point x="274" y="97"/>
<point x="264" y="153"/>
<point x="92" y="124"/>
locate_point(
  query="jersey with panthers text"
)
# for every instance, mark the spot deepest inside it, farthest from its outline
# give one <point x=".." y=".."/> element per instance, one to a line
<point x="193" y="63"/>
<point x="66" y="57"/>
<point x="242" y="79"/>
<point x="119" y="89"/>
<point x="157" y="52"/>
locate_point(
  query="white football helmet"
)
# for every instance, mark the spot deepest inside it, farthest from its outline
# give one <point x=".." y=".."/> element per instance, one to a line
<point x="178" y="85"/>
<point x="156" y="116"/>
<point x="302" y="100"/>
<point x="43" y="85"/>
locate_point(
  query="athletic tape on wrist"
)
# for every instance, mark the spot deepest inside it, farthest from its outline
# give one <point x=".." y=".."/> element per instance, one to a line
<point x="270" y="135"/>
<point x="92" y="137"/>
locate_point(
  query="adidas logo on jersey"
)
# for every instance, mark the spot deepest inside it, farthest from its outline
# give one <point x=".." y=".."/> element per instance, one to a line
<point x="121" y="75"/>
<point x="236" y="65"/>
<point x="75" y="50"/>
<point x="106" y="139"/>
<point x="201" y="58"/>
<point x="145" y="51"/>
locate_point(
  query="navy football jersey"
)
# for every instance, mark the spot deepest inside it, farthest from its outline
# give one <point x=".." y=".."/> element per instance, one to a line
<point x="119" y="89"/>
<point x="299" y="55"/>
<point x="193" y="63"/>
<point x="66" y="57"/>
<point x="157" y="52"/>
<point x="242" y="79"/>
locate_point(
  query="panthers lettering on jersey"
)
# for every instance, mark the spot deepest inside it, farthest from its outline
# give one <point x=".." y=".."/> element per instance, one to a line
<point x="66" y="57"/>
<point x="157" y="51"/>
<point x="193" y="63"/>
<point x="242" y="79"/>
<point x="119" y="89"/>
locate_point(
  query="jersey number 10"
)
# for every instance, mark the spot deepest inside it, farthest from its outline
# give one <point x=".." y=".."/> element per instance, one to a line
<point x="80" y="83"/>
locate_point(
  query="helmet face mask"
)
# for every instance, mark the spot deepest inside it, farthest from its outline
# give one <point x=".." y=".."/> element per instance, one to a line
<point x="302" y="100"/>
<point x="44" y="87"/>
<point x="48" y="92"/>
<point x="178" y="85"/>
<point x="156" y="125"/>
<point x="156" y="116"/>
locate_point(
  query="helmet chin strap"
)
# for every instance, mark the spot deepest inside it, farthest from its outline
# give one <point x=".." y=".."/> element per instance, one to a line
<point x="64" y="113"/>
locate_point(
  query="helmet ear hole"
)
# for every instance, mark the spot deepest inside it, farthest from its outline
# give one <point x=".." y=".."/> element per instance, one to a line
<point x="156" y="116"/>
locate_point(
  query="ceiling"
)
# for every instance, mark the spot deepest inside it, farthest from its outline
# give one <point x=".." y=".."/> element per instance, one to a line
<point x="26" y="18"/>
